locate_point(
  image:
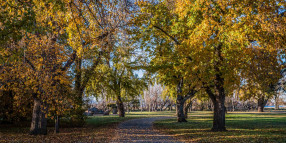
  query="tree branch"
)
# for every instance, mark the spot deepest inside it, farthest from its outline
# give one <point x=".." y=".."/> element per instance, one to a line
<point x="89" y="72"/>
<point x="173" y="38"/>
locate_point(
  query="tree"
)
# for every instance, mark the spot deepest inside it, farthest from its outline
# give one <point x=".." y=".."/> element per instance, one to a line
<point x="210" y="40"/>
<point x="263" y="86"/>
<point x="118" y="82"/>
<point x="36" y="51"/>
<point x="98" y="25"/>
<point x="152" y="96"/>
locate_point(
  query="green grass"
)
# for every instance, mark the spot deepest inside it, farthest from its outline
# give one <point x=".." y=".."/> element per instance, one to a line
<point x="114" y="119"/>
<point x="241" y="126"/>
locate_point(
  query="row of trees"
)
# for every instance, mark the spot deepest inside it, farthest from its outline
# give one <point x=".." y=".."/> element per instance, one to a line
<point x="53" y="53"/>
<point x="158" y="98"/>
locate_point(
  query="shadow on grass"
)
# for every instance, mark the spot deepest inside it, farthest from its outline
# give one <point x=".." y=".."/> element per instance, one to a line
<point x="241" y="128"/>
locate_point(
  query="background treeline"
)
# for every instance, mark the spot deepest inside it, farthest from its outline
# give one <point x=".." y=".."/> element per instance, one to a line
<point x="155" y="99"/>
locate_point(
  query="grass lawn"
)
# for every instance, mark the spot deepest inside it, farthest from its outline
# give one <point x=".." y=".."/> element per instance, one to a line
<point x="242" y="127"/>
<point x="97" y="129"/>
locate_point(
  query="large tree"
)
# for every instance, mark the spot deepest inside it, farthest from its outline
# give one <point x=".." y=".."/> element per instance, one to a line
<point x="35" y="40"/>
<point x="210" y="39"/>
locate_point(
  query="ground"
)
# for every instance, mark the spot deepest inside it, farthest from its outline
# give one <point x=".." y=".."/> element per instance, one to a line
<point x="242" y="127"/>
<point x="141" y="130"/>
<point x="97" y="129"/>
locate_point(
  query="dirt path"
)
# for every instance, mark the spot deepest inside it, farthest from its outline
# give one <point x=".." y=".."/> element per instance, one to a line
<point x="141" y="130"/>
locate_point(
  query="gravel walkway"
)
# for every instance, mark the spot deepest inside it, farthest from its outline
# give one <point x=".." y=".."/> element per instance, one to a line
<point x="141" y="130"/>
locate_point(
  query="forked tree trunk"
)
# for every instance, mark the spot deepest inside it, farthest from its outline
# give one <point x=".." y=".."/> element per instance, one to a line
<point x="39" y="120"/>
<point x="261" y="103"/>
<point x="120" y="107"/>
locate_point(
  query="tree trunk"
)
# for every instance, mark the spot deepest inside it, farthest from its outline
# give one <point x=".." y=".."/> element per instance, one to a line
<point x="261" y="103"/>
<point x="176" y="109"/>
<point x="186" y="111"/>
<point x="180" y="103"/>
<point x="57" y="128"/>
<point x="39" y="120"/>
<point x="78" y="117"/>
<point x="219" y="114"/>
<point x="276" y="106"/>
<point x="180" y="110"/>
<point x="218" y="96"/>
<point x="186" y="108"/>
<point x="120" y="107"/>
<point x="276" y="102"/>
<point x="191" y="106"/>
<point x="127" y="107"/>
<point x="232" y="104"/>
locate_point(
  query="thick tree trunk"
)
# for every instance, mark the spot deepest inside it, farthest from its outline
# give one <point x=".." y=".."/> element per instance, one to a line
<point x="218" y="96"/>
<point x="261" y="103"/>
<point x="180" y="110"/>
<point x="260" y="108"/>
<point x="219" y="115"/>
<point x="120" y="107"/>
<point x="180" y="103"/>
<point x="39" y="120"/>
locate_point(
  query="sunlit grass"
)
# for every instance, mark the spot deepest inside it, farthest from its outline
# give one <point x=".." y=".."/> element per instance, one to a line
<point x="241" y="126"/>
<point x="105" y="120"/>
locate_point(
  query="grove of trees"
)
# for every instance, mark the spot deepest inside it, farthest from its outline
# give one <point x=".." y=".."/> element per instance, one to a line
<point x="55" y="53"/>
